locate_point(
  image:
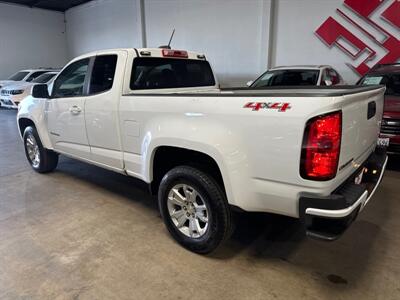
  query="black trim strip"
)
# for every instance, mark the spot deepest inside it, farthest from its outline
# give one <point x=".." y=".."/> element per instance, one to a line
<point x="269" y="92"/>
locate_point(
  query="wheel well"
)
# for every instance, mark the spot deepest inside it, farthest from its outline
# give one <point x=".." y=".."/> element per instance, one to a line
<point x="23" y="123"/>
<point x="166" y="158"/>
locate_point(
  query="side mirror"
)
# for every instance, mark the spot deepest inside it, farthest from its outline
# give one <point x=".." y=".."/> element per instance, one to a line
<point x="328" y="82"/>
<point x="249" y="83"/>
<point x="40" y="91"/>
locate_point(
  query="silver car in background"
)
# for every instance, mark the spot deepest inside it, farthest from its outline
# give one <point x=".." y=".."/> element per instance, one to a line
<point x="302" y="75"/>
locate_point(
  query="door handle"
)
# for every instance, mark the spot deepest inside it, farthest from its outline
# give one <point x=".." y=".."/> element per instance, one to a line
<point x="75" y="110"/>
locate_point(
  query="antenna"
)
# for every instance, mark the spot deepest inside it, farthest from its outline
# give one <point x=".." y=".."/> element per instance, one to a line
<point x="170" y="40"/>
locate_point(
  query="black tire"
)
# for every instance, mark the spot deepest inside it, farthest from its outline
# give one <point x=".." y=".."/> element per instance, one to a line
<point x="48" y="160"/>
<point x="219" y="214"/>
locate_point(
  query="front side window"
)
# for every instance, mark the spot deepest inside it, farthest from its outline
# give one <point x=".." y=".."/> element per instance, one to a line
<point x="18" y="76"/>
<point x="103" y="74"/>
<point x="71" y="81"/>
<point x="163" y="73"/>
<point x="34" y="75"/>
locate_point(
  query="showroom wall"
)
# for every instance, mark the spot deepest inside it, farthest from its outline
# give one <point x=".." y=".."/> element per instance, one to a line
<point x="241" y="38"/>
<point x="296" y="41"/>
<point x="234" y="34"/>
<point x="43" y="45"/>
<point x="102" y="24"/>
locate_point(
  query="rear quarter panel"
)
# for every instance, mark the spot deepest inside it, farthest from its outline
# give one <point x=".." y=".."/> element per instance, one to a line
<point x="258" y="151"/>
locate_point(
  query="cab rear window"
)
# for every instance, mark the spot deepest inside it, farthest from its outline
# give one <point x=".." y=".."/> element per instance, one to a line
<point x="164" y="73"/>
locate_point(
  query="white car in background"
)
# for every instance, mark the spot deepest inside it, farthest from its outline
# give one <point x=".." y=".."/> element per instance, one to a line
<point x="24" y="75"/>
<point x="13" y="94"/>
<point x="307" y="75"/>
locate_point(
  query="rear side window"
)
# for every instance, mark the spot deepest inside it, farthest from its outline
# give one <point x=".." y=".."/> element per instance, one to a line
<point x="164" y="73"/>
<point x="103" y="74"/>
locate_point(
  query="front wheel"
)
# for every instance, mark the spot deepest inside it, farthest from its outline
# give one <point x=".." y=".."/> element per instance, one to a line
<point x="194" y="209"/>
<point x="40" y="159"/>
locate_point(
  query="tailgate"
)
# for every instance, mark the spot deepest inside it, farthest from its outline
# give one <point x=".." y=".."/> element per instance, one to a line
<point x="362" y="115"/>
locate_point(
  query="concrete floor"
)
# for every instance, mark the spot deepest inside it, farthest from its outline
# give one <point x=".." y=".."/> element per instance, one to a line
<point x="86" y="233"/>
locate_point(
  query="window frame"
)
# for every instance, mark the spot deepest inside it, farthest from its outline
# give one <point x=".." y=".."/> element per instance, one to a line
<point x="88" y="76"/>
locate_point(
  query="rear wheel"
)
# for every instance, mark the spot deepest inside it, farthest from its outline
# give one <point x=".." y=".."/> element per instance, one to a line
<point x="40" y="159"/>
<point x="194" y="209"/>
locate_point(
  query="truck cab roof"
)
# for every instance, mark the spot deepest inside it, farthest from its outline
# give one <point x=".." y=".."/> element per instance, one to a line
<point x="150" y="52"/>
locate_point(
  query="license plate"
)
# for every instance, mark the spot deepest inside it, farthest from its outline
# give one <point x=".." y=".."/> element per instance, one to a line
<point x="383" y="142"/>
<point x="359" y="177"/>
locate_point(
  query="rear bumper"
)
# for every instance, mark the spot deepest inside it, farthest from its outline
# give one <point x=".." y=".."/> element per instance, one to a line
<point x="328" y="217"/>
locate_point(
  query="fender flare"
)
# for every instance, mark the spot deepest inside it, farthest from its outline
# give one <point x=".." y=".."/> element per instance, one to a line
<point x="43" y="135"/>
<point x="212" y="152"/>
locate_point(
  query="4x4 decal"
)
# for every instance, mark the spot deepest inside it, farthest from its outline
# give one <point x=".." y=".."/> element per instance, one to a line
<point x="280" y="106"/>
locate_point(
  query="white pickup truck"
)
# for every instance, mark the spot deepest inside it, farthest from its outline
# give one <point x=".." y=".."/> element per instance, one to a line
<point x="158" y="115"/>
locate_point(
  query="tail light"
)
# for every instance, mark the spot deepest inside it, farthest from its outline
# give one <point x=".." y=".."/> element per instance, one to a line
<point x="321" y="147"/>
<point x="174" y="53"/>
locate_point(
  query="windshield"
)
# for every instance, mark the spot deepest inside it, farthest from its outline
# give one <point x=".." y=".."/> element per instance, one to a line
<point x="392" y="82"/>
<point x="287" y="78"/>
<point x="18" y="76"/>
<point x="44" y="78"/>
